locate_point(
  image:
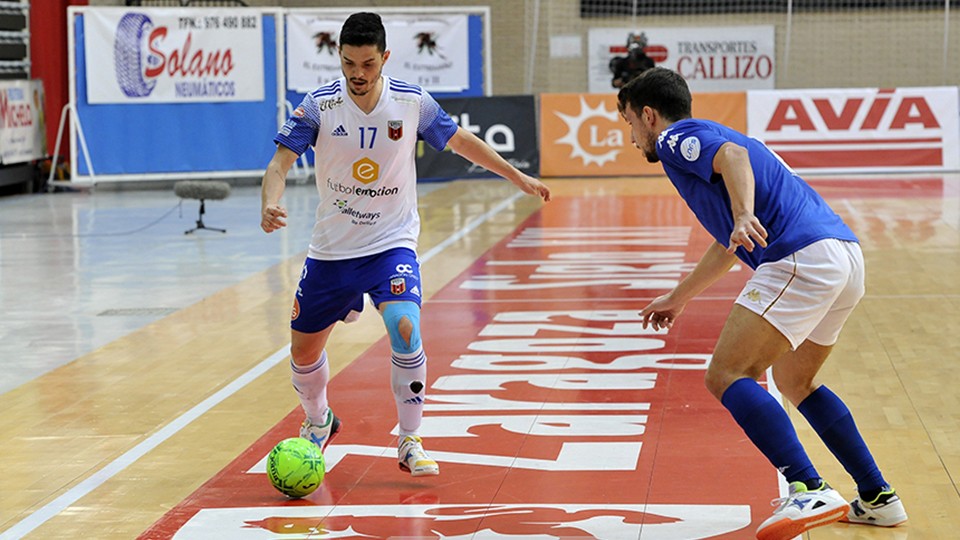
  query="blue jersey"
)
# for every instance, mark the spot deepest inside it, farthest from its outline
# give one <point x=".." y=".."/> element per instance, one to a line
<point x="793" y="214"/>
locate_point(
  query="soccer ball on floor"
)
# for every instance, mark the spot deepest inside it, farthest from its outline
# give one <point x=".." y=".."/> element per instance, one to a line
<point x="295" y="467"/>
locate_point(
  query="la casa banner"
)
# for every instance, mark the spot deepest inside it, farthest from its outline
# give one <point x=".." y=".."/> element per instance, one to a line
<point x="711" y="59"/>
<point x="428" y="50"/>
<point x="173" y="55"/>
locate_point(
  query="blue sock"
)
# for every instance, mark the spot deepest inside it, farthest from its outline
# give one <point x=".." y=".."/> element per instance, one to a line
<point x="768" y="426"/>
<point x="831" y="419"/>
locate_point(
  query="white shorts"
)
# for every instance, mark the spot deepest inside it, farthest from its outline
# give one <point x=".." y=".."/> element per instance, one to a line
<point x="809" y="294"/>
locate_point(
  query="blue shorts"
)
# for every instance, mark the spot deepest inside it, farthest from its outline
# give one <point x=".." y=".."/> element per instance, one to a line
<point x="331" y="291"/>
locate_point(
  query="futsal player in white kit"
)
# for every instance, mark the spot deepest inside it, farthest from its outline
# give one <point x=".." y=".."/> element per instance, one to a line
<point x="364" y="128"/>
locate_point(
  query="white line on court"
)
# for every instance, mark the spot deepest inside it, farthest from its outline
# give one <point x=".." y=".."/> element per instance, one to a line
<point x="61" y="503"/>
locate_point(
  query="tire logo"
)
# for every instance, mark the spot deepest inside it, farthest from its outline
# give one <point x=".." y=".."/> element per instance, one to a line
<point x="127" y="58"/>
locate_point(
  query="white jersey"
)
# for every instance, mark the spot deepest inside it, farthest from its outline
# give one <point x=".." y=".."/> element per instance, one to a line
<point x="366" y="167"/>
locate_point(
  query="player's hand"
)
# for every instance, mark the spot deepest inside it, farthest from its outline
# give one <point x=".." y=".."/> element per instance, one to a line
<point x="747" y="232"/>
<point x="662" y="312"/>
<point x="272" y="217"/>
<point x="532" y="186"/>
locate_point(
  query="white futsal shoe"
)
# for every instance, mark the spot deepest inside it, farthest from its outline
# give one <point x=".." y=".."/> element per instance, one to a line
<point x="412" y="458"/>
<point x="885" y="511"/>
<point x="801" y="510"/>
<point x="320" y="435"/>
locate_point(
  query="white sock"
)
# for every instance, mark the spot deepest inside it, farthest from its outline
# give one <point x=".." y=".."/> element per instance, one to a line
<point x="408" y="373"/>
<point x="310" y="382"/>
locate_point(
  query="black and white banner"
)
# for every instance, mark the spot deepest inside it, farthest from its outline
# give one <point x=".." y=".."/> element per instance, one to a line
<point x="428" y="50"/>
<point x="508" y="124"/>
<point x="173" y="55"/>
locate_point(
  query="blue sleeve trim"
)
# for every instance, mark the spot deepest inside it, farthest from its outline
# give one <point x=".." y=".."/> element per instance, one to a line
<point x="436" y="127"/>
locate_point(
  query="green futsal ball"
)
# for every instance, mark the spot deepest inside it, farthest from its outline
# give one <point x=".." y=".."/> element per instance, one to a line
<point x="295" y="467"/>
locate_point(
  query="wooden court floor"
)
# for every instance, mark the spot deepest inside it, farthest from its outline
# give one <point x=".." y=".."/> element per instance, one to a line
<point x="83" y="446"/>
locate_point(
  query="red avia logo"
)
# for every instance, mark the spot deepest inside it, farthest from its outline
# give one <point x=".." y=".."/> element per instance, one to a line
<point x="854" y="113"/>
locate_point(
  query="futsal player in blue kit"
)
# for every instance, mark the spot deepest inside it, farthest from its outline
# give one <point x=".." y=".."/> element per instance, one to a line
<point x="364" y="128"/>
<point x="808" y="277"/>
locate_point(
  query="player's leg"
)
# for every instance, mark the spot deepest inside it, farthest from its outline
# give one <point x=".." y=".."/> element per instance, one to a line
<point x="397" y="296"/>
<point x="779" y="307"/>
<point x="310" y="374"/>
<point x="322" y="299"/>
<point x="795" y="375"/>
<point x="408" y="372"/>
<point x="747" y="346"/>
<point x="408" y="363"/>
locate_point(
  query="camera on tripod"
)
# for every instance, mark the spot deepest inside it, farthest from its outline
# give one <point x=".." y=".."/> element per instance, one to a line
<point x="634" y="63"/>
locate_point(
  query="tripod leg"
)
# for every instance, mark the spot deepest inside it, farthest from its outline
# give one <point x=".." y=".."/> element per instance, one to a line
<point x="200" y="224"/>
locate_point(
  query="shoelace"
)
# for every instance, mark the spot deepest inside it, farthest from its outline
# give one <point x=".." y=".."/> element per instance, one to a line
<point x="782" y="502"/>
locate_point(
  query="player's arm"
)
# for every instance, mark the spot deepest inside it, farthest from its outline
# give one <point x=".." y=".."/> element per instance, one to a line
<point x="714" y="264"/>
<point x="732" y="162"/>
<point x="470" y="146"/>
<point x="272" y="214"/>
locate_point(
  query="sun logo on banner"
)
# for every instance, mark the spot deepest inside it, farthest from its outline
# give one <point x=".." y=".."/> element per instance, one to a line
<point x="599" y="135"/>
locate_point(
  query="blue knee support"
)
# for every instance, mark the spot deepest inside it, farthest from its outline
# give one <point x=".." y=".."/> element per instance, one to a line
<point x="392" y="314"/>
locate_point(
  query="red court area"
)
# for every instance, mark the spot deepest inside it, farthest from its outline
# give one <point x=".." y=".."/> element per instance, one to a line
<point x="552" y="412"/>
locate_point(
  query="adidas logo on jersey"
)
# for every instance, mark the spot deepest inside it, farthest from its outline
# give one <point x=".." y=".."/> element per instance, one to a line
<point x="339" y="132"/>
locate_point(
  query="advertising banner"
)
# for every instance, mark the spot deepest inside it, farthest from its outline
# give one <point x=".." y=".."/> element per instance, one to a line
<point x="428" y="50"/>
<point x="508" y="124"/>
<point x="711" y="59"/>
<point x="859" y="130"/>
<point x="173" y="55"/>
<point x="584" y="135"/>
<point x="22" y="125"/>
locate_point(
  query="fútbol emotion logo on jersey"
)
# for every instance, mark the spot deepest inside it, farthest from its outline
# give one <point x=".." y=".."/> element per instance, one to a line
<point x="366" y="170"/>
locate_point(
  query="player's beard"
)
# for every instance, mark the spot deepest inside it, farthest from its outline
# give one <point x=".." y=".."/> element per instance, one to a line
<point x="368" y="85"/>
<point x="650" y="149"/>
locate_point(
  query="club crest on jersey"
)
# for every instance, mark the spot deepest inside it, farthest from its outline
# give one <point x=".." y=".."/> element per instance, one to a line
<point x="395" y="129"/>
<point x="398" y="285"/>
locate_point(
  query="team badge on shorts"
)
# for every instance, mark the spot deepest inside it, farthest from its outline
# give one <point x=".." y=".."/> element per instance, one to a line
<point x="398" y="285"/>
<point x="296" y="309"/>
<point x="395" y="129"/>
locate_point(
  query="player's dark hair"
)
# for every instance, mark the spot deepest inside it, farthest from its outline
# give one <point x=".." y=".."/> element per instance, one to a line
<point x="364" y="29"/>
<point x="659" y="88"/>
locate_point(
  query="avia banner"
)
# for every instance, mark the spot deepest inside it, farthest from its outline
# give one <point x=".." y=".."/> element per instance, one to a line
<point x="431" y="51"/>
<point x="508" y="124"/>
<point x="584" y="135"/>
<point x="711" y="59"/>
<point x="860" y="130"/>
<point x="173" y="56"/>
<point x="23" y="135"/>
